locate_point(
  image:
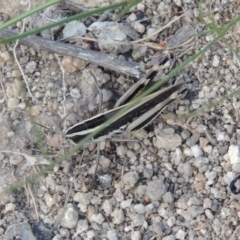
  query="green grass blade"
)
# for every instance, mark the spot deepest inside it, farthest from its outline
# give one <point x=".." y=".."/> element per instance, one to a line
<point x="127" y="8"/>
<point x="28" y="13"/>
<point x="61" y="22"/>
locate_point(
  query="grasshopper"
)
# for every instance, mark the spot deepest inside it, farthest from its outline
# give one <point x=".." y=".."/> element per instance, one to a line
<point x="136" y="117"/>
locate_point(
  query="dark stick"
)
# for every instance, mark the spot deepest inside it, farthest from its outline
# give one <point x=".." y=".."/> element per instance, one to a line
<point x="99" y="58"/>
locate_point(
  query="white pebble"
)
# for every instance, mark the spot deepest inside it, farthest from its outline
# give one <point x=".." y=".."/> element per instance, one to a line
<point x="75" y="93"/>
<point x="12" y="103"/>
<point x="196" y="151"/>
<point x="221" y="136"/>
<point x="233" y="154"/>
<point x="139" y="27"/>
<point x="215" y="61"/>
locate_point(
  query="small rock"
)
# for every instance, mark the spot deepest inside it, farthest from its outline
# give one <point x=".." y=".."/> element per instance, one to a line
<point x="35" y="110"/>
<point x="118" y="195"/>
<point x="74" y="29"/>
<point x="139" y="208"/>
<point x="168" y="141"/>
<point x="201" y="163"/>
<point x="82" y="226"/>
<point x="182" y="203"/>
<point x="31" y="66"/>
<point x="112" y="234"/>
<point x="49" y="200"/>
<point x="169" y="237"/>
<point x="148" y="171"/>
<point x="216" y="61"/>
<point x="137" y="220"/>
<point x="221" y="136"/>
<point x="130" y="178"/>
<point x="139" y="51"/>
<point x="104" y="162"/>
<point x="107" y="207"/>
<point x="139" y="27"/>
<point x="168" y="197"/>
<point x="10" y="207"/>
<point x="157" y="226"/>
<point x="180" y="234"/>
<point x="178" y="2"/>
<point x="171" y="221"/>
<point x="151" y="33"/>
<point x="199" y="186"/>
<point x="70" y="217"/>
<point x="233" y="154"/>
<point x="192" y="140"/>
<point x="150" y="208"/>
<point x="121" y="150"/>
<point x="185" y="168"/>
<point x="126" y="203"/>
<point x="12" y="103"/>
<point x="118" y="216"/>
<point x="211" y="177"/>
<point x="16" y="74"/>
<point x="72" y="65"/>
<point x="156" y="189"/>
<point x="75" y="93"/>
<point x="141" y="190"/>
<point x="21" y="230"/>
<point x="194" y="211"/>
<point x="185" y="134"/>
<point x="111" y="34"/>
<point x="209" y="214"/>
<point x="194" y="201"/>
<point x="97" y="218"/>
<point x="136" y="235"/>
<point x="197" y="151"/>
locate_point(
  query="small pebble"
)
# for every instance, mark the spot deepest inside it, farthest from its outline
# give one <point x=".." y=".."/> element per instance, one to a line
<point x="139" y="27"/>
<point x="197" y="151"/>
<point x="156" y="189"/>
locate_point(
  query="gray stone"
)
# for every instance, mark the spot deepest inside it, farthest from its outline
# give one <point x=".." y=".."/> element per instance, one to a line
<point x="185" y="168"/>
<point x="70" y="217"/>
<point x="181" y="234"/>
<point x="141" y="190"/>
<point x="201" y="163"/>
<point x="112" y="234"/>
<point x="104" y="162"/>
<point x="168" y="197"/>
<point x="74" y="29"/>
<point x="150" y="208"/>
<point x="107" y="207"/>
<point x="22" y="230"/>
<point x="167" y="140"/>
<point x="192" y="140"/>
<point x="126" y="203"/>
<point x="82" y="226"/>
<point x="97" y="218"/>
<point x="75" y="93"/>
<point x="137" y="220"/>
<point x="139" y="51"/>
<point x="130" y="178"/>
<point x="139" y="208"/>
<point x="118" y="216"/>
<point x="109" y="36"/>
<point x="31" y="66"/>
<point x="156" y="189"/>
<point x="197" y="151"/>
<point x="194" y="211"/>
<point x="233" y="154"/>
<point x="136" y="235"/>
<point x="148" y="171"/>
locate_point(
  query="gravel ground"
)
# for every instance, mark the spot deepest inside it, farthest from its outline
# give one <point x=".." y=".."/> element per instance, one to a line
<point x="173" y="183"/>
